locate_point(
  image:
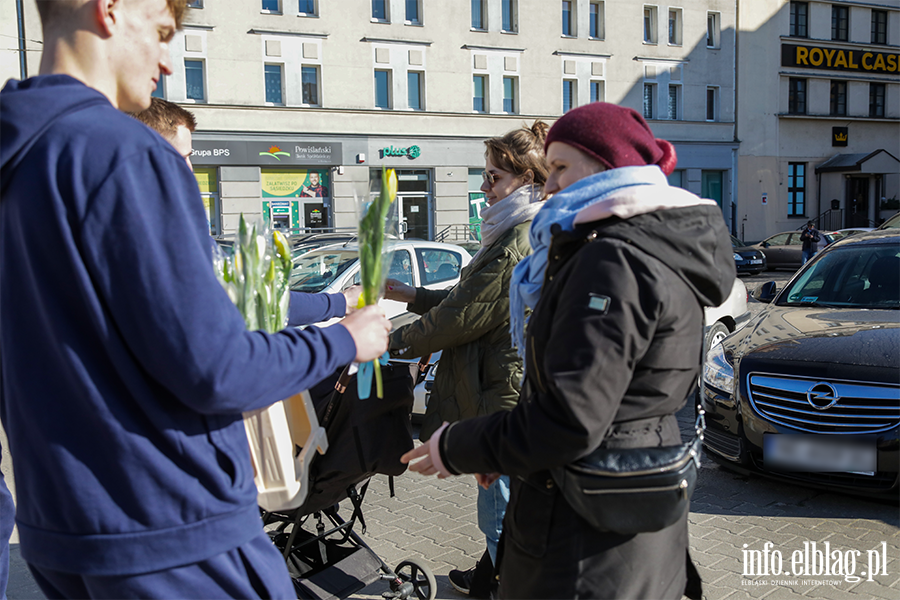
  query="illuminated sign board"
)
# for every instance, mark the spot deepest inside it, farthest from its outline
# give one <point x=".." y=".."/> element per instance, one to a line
<point x="839" y="59"/>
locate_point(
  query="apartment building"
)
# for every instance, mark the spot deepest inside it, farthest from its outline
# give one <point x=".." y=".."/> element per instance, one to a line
<point x="301" y="102"/>
<point x="818" y="110"/>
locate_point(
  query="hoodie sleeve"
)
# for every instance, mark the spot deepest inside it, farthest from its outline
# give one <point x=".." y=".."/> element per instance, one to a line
<point x="306" y="309"/>
<point x="146" y="247"/>
<point x="592" y="335"/>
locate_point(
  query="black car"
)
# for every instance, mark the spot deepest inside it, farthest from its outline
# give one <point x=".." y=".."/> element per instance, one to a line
<point x="748" y="259"/>
<point x="809" y="390"/>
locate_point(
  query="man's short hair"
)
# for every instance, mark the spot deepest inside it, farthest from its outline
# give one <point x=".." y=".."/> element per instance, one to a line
<point x="165" y="117"/>
<point x="52" y="11"/>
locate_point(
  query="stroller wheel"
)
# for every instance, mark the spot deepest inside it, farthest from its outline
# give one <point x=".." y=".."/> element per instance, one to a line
<point x="420" y="576"/>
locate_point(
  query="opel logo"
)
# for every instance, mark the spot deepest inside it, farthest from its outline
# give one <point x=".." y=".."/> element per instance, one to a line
<point x="822" y="395"/>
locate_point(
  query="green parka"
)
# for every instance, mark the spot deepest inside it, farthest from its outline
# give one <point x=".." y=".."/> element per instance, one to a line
<point x="479" y="371"/>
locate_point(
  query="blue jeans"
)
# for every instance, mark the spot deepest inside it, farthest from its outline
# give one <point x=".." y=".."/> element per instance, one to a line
<point x="491" y="508"/>
<point x="7" y="521"/>
<point x="808" y="254"/>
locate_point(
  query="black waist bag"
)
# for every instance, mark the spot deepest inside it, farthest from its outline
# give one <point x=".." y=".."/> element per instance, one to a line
<point x="632" y="490"/>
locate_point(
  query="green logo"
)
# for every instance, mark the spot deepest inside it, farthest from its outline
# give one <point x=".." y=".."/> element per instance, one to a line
<point x="412" y="152"/>
<point x="275" y="152"/>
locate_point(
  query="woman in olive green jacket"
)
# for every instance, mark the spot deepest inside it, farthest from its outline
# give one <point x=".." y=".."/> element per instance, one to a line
<point x="480" y="371"/>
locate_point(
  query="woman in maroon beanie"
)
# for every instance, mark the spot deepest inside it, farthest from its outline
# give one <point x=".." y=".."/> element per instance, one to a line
<point x="622" y="267"/>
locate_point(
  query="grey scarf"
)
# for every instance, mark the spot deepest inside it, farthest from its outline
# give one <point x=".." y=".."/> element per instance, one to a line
<point x="518" y="207"/>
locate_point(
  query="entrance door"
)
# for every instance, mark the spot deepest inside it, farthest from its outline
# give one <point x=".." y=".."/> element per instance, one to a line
<point x="858" y="202"/>
<point x="414" y="217"/>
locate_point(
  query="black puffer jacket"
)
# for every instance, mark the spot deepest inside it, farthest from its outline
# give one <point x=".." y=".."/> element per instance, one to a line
<point x="615" y="337"/>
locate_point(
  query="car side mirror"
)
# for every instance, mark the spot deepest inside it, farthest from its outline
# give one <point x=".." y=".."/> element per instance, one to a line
<point x="766" y="292"/>
<point x="765" y="244"/>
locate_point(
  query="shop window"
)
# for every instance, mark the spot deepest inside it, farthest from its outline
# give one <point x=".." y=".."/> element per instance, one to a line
<point x="380" y="10"/>
<point x="307" y="8"/>
<point x="570" y="94"/>
<point x="479" y="18"/>
<point x="796" y="189"/>
<point x="712" y="104"/>
<point x="649" y="99"/>
<point x="840" y="23"/>
<point x="383" y="89"/>
<point x="879" y="26"/>
<point x="674" y="26"/>
<point x="597" y="91"/>
<point x="309" y="83"/>
<point x="650" y="21"/>
<point x="796" y="96"/>
<point x="711" y="185"/>
<point x="876" y="100"/>
<point x="509" y="10"/>
<point x="713" y="30"/>
<point x="271" y="6"/>
<point x="209" y="193"/>
<point x="479" y="93"/>
<point x="416" y="89"/>
<point x="274" y="92"/>
<point x="510" y="99"/>
<point x="597" y="26"/>
<point x="839" y="98"/>
<point x="799" y="19"/>
<point x="674" y="105"/>
<point x="193" y="79"/>
<point x="413" y="12"/>
<point x="568" y="18"/>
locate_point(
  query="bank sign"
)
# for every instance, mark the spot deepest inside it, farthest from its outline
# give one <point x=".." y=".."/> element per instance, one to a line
<point x="839" y="59"/>
<point x="266" y="154"/>
<point x="411" y="152"/>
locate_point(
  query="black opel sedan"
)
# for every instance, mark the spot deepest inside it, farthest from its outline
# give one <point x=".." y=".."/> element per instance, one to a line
<point x="809" y="390"/>
<point x="747" y="259"/>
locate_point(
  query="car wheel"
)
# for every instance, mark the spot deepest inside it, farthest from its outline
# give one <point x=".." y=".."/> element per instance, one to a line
<point x="718" y="332"/>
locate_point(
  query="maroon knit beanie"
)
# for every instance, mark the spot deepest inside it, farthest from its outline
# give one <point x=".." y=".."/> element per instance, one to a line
<point x="614" y="135"/>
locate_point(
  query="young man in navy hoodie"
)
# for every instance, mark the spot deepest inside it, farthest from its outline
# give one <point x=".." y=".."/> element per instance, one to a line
<point x="125" y="365"/>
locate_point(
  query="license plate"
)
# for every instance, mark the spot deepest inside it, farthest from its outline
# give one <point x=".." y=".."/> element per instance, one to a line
<point x="820" y="454"/>
<point x="756" y="261"/>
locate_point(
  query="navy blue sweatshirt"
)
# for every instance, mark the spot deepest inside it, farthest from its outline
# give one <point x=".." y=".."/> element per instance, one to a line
<point x="125" y="365"/>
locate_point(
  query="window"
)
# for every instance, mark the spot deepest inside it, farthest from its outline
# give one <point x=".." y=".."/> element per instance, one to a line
<point x="649" y="100"/>
<point x="674" y="106"/>
<point x="650" y="24"/>
<point x="876" y="100"/>
<point x="160" y="91"/>
<point x="307" y="8"/>
<point x="796" y="189"/>
<point x="839" y="98"/>
<point x="271" y="6"/>
<point x="676" y="178"/>
<point x="712" y="30"/>
<point x="380" y="11"/>
<point x="799" y="19"/>
<point x="879" y="26"/>
<point x="840" y="22"/>
<point x="273" y="84"/>
<point x="413" y="12"/>
<point x="382" y="89"/>
<point x="569" y="95"/>
<point x="675" y="26"/>
<point x="414" y="80"/>
<point x="438" y="265"/>
<point x="479" y="93"/>
<point x="712" y="104"/>
<point x="509" y="16"/>
<point x="309" y="83"/>
<point x="596" y="91"/>
<point x="509" y="95"/>
<point x="193" y="79"/>
<point x="568" y="18"/>
<point x="194" y="4"/>
<point x="596" y="24"/>
<point x="796" y="96"/>
<point x="479" y="20"/>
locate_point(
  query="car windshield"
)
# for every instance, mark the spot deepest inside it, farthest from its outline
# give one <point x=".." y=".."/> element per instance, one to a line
<point x="736" y="243"/>
<point x="314" y="271"/>
<point x="855" y="276"/>
<point x="892" y="223"/>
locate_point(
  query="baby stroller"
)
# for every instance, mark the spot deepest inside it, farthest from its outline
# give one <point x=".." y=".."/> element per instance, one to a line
<point x="326" y="558"/>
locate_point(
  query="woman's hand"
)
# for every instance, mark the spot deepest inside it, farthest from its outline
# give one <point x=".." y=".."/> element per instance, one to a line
<point x="486" y="479"/>
<point x="431" y="457"/>
<point x="399" y="291"/>
<point x="352" y="295"/>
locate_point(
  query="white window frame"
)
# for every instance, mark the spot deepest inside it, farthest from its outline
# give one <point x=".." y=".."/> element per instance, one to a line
<point x="314" y="13"/>
<point x="278" y="11"/>
<point x="650" y="30"/>
<point x="513" y="17"/>
<point x="573" y="20"/>
<point x="716" y="103"/>
<point x="573" y="95"/>
<point x="421" y="75"/>
<point x="515" y="95"/>
<point x="203" y="77"/>
<point x="485" y="90"/>
<point x="679" y="27"/>
<point x="281" y="70"/>
<point x="602" y="86"/>
<point x="484" y="17"/>
<point x="195" y="4"/>
<point x="654" y="100"/>
<point x="318" y="69"/>
<point x="601" y="19"/>
<point x="387" y="12"/>
<point x="716" y="33"/>
<point x="390" y="91"/>
<point x="679" y="104"/>
<point x="421" y="19"/>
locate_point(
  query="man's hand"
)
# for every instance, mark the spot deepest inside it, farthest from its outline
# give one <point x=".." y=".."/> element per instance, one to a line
<point x="352" y="295"/>
<point x="369" y="329"/>
<point x="399" y="291"/>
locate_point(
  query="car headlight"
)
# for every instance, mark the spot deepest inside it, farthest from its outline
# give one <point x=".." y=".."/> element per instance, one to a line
<point x="738" y="256"/>
<point x="717" y="371"/>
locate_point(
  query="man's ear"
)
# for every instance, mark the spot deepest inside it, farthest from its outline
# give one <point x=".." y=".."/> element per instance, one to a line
<point x="106" y="13"/>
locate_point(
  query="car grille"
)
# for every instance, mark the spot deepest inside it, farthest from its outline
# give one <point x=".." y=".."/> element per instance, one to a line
<point x="721" y="442"/>
<point x="800" y="403"/>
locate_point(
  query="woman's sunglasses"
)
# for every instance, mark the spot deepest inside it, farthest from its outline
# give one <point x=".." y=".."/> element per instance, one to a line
<point x="488" y="178"/>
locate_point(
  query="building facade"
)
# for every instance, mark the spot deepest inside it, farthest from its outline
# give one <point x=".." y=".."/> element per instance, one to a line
<point x="301" y="102"/>
<point x="818" y="114"/>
